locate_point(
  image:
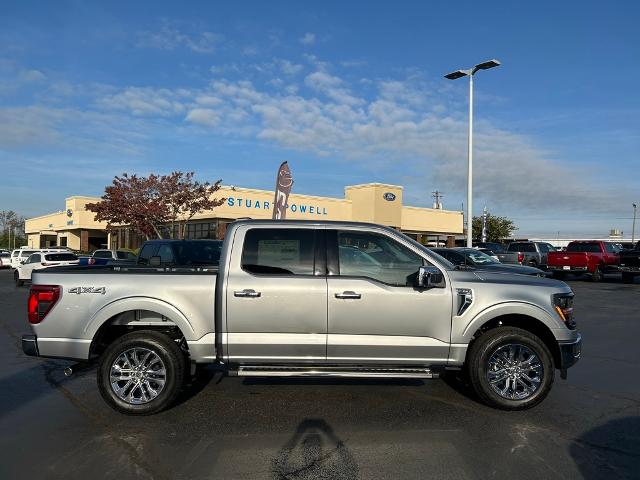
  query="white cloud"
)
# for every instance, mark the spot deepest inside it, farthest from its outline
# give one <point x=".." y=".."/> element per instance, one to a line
<point x="203" y="116"/>
<point x="400" y="125"/>
<point x="290" y="68"/>
<point x="308" y="38"/>
<point x="32" y="76"/>
<point x="170" y="38"/>
<point x="144" y="101"/>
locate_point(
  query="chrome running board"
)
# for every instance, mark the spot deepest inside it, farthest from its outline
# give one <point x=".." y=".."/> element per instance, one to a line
<point x="345" y="372"/>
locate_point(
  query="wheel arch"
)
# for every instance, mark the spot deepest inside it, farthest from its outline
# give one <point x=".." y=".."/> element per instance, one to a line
<point x="123" y="316"/>
<point x="525" y="322"/>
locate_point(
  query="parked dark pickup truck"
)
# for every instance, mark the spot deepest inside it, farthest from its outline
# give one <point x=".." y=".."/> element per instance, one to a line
<point x="630" y="263"/>
<point x="593" y="257"/>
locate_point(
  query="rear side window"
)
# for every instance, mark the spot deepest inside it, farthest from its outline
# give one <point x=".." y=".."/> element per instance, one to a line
<point x="611" y="248"/>
<point x="278" y="251"/>
<point x="146" y="253"/>
<point x="165" y="252"/>
<point x="60" y="257"/>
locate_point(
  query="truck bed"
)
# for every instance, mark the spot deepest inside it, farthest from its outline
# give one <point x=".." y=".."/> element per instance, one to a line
<point x="128" y="296"/>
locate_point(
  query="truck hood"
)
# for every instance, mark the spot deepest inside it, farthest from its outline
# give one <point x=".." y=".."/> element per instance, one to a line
<point x="506" y="278"/>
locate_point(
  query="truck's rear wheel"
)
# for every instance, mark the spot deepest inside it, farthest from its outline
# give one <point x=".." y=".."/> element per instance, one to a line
<point x="596" y="276"/>
<point x="141" y="373"/>
<point x="510" y="368"/>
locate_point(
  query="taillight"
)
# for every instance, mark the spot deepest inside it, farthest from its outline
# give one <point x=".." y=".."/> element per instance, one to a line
<point x="91" y="261"/>
<point x="42" y="298"/>
<point x="520" y="257"/>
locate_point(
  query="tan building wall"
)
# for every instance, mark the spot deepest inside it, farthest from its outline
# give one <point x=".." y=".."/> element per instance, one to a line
<point x="373" y="202"/>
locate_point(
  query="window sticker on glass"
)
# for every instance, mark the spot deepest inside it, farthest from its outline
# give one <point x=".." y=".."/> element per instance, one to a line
<point x="273" y="252"/>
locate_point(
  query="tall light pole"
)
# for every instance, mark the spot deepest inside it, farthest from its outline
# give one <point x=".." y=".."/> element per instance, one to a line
<point x="453" y="76"/>
<point x="633" y="229"/>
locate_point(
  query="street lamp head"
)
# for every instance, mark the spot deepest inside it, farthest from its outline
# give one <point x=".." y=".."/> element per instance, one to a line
<point x="486" y="65"/>
<point x="456" y="74"/>
<point x="634" y="205"/>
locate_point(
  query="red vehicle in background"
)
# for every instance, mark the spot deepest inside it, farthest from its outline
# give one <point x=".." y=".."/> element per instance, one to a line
<point x="593" y="257"/>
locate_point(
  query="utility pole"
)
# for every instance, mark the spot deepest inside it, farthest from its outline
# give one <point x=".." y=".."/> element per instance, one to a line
<point x="437" y="196"/>
<point x="633" y="229"/>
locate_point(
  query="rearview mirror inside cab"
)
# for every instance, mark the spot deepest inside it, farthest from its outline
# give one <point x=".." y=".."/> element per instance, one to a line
<point x="430" y="277"/>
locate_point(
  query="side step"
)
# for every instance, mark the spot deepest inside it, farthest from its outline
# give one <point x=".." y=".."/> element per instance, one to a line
<point x="329" y="371"/>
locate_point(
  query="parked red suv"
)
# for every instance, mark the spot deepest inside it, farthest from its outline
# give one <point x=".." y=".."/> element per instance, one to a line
<point x="585" y="256"/>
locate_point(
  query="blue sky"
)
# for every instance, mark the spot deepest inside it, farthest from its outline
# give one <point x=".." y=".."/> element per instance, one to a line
<point x="347" y="92"/>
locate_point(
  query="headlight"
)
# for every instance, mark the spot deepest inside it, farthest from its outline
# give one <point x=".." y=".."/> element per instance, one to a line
<point x="563" y="305"/>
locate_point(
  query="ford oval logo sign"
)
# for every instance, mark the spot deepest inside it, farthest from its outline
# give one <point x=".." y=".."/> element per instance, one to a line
<point x="389" y="197"/>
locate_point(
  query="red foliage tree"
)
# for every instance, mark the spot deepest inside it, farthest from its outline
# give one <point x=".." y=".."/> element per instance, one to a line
<point x="149" y="204"/>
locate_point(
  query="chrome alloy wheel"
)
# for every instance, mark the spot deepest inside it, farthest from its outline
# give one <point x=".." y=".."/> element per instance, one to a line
<point x="514" y="371"/>
<point x="137" y="376"/>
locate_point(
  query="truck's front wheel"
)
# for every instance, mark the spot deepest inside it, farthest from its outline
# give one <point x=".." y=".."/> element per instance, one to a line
<point x="510" y="368"/>
<point x="141" y="373"/>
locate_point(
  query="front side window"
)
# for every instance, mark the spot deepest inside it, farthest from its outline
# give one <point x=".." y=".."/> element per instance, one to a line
<point x="279" y="251"/>
<point x="102" y="254"/>
<point x="35" y="258"/>
<point x="376" y="256"/>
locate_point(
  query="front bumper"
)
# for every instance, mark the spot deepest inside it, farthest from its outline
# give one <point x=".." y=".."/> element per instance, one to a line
<point x="570" y="352"/>
<point x="30" y="345"/>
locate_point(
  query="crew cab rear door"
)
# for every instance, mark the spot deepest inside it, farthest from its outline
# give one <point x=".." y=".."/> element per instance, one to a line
<point x="276" y="295"/>
<point x="376" y="313"/>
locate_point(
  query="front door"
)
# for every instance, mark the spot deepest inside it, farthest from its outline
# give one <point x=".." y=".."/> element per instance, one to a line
<point x="376" y="313"/>
<point x="277" y="296"/>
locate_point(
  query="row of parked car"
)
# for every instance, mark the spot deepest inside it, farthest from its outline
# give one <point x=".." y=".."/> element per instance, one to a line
<point x="154" y="254"/>
<point x="593" y="257"/>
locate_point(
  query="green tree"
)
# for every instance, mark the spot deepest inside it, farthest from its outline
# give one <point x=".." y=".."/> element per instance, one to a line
<point x="498" y="228"/>
<point x="11" y="229"/>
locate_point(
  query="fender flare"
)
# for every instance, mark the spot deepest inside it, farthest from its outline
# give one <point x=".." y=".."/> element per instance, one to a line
<point x="127" y="304"/>
<point x="503" y="309"/>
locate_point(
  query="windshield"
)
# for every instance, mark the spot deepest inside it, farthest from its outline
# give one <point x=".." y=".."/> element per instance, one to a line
<point x="60" y="257"/>
<point x="476" y="257"/>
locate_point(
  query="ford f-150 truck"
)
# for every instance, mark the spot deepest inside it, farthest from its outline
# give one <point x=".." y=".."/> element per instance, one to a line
<point x="295" y="298"/>
<point x="592" y="257"/>
<point x="630" y="263"/>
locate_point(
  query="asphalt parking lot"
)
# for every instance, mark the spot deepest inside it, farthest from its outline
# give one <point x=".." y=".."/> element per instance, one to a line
<point x="228" y="427"/>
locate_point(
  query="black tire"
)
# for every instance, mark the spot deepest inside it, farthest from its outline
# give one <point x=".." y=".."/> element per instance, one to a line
<point x="174" y="365"/>
<point x="597" y="275"/>
<point x="16" y="277"/>
<point x="478" y="364"/>
<point x="628" y="277"/>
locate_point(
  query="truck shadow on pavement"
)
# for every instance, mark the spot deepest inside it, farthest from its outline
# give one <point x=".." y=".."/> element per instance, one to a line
<point x="314" y="451"/>
<point x="611" y="450"/>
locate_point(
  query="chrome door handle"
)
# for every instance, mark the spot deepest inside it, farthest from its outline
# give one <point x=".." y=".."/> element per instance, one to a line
<point x="349" y="294"/>
<point x="247" y="292"/>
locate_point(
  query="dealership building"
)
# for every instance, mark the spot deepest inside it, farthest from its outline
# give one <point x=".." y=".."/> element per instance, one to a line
<point x="76" y="227"/>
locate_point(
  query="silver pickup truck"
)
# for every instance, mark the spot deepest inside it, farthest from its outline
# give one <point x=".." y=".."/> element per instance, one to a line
<point x="306" y="299"/>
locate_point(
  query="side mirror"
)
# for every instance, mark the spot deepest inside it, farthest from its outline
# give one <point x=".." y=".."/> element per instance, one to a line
<point x="155" y="261"/>
<point x="430" y="277"/>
